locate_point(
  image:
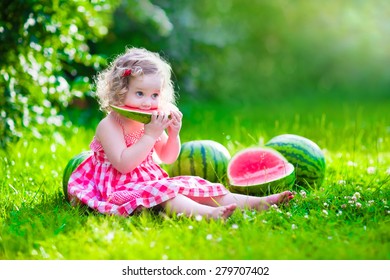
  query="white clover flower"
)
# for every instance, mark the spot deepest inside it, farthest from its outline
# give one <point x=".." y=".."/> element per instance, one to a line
<point x="234" y="226"/>
<point x="325" y="212"/>
<point x="371" y="170"/>
<point x="358" y="205"/>
<point x="209" y="236"/>
<point x="110" y="236"/>
<point x="198" y="218"/>
<point x="302" y="193"/>
<point x="190" y="227"/>
<point x="351" y="163"/>
<point x="294" y="226"/>
<point x="356" y="195"/>
<point x="264" y="221"/>
<point x="342" y="182"/>
<point x="306" y="216"/>
<point x="370" y="202"/>
<point x="339" y="213"/>
<point x="288" y="214"/>
<point x="326" y="204"/>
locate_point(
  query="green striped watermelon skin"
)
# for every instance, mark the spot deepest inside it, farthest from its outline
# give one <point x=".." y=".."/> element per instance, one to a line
<point x="73" y="163"/>
<point x="306" y="156"/>
<point x="207" y="159"/>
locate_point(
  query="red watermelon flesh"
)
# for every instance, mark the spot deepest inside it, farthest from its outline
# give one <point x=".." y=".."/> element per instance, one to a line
<point x="134" y="109"/>
<point x="256" y="166"/>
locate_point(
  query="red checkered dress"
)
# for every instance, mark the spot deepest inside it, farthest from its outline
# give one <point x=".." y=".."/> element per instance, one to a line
<point x="99" y="185"/>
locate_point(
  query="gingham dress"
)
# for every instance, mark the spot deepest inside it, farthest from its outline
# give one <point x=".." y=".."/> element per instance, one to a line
<point x="99" y="185"/>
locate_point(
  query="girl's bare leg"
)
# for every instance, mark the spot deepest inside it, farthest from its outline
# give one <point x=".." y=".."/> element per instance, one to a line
<point x="246" y="201"/>
<point x="189" y="207"/>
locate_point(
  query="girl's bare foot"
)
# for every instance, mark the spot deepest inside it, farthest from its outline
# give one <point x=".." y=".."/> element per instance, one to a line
<point x="275" y="199"/>
<point x="223" y="212"/>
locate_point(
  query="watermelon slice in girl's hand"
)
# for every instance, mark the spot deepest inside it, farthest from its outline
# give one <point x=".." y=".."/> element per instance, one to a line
<point x="143" y="116"/>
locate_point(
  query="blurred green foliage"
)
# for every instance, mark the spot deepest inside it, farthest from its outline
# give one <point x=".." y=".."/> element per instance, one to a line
<point x="43" y="46"/>
<point x="46" y="57"/>
<point x="229" y="51"/>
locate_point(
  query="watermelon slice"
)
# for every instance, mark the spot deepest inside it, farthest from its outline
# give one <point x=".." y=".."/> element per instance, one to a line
<point x="143" y="116"/>
<point x="260" y="171"/>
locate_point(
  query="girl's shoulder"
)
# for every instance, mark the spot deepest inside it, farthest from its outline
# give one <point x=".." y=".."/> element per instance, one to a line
<point x="105" y="123"/>
<point x="107" y="126"/>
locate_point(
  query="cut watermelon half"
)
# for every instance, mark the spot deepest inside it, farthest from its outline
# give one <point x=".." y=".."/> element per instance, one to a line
<point x="259" y="171"/>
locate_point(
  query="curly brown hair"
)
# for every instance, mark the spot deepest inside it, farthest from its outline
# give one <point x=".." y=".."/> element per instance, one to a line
<point x="112" y="84"/>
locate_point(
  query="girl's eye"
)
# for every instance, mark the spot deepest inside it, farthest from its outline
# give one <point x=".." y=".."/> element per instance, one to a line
<point x="139" y="93"/>
<point x="155" y="95"/>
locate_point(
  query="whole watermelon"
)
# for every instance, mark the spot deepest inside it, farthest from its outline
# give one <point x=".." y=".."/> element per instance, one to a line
<point x="73" y="163"/>
<point x="306" y="156"/>
<point x="207" y="159"/>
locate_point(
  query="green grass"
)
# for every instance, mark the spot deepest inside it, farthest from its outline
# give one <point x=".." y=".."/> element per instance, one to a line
<point x="327" y="223"/>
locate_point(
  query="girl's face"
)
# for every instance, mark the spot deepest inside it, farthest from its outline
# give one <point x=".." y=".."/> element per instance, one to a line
<point x="144" y="92"/>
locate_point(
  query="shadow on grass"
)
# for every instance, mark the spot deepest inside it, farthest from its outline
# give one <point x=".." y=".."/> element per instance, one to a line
<point x="26" y="227"/>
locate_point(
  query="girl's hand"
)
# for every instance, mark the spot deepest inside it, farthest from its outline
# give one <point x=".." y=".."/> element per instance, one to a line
<point x="159" y="122"/>
<point x="176" y="122"/>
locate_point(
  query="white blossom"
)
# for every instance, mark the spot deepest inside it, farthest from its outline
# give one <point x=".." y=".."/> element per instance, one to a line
<point x="234" y="226"/>
<point x="371" y="170"/>
<point x="294" y="226"/>
<point x="198" y="218"/>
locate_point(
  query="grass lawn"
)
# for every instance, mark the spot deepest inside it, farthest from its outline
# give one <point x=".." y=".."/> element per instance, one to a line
<point x="347" y="218"/>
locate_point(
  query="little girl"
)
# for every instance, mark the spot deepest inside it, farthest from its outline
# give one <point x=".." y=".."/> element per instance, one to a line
<point x="121" y="176"/>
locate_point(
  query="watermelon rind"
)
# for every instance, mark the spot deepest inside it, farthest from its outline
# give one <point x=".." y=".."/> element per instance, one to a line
<point x="306" y="156"/>
<point x="271" y="187"/>
<point x="207" y="159"/>
<point x="143" y="116"/>
<point x="71" y="166"/>
<point x="137" y="115"/>
<point x="262" y="185"/>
